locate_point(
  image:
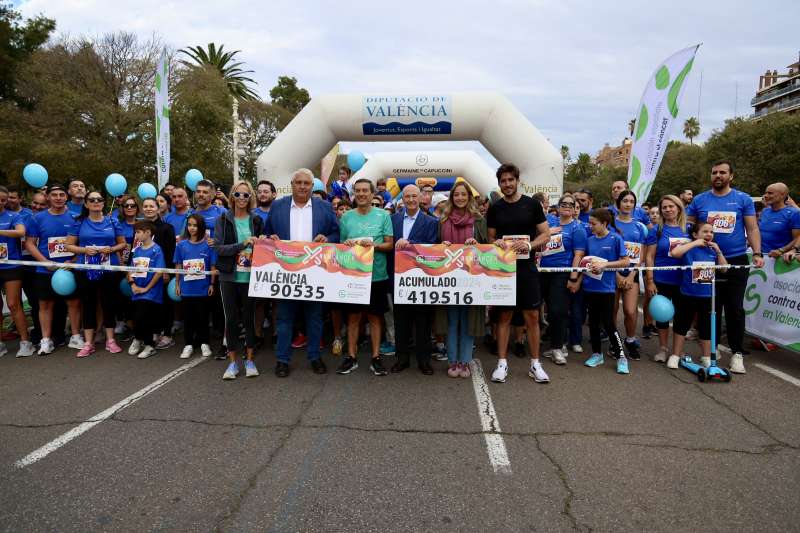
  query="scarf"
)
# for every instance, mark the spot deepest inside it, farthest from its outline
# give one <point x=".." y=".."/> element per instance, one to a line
<point x="458" y="227"/>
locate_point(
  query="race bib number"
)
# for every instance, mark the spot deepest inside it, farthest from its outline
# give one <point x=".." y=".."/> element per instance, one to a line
<point x="518" y="238"/>
<point x="57" y="247"/>
<point x="634" y="251"/>
<point x="105" y="259"/>
<point x="140" y="263"/>
<point x="555" y="245"/>
<point x="722" y="221"/>
<point x="3" y="250"/>
<point x="126" y="254"/>
<point x="243" y="261"/>
<point x="674" y="242"/>
<point x="586" y="262"/>
<point x="195" y="266"/>
<point x="702" y="271"/>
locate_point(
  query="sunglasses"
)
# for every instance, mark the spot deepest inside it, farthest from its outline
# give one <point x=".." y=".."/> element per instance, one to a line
<point x="130" y="206"/>
<point x="95" y="200"/>
<point x="244" y="195"/>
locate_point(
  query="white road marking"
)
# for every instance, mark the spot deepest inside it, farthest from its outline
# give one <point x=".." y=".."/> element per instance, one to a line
<point x="778" y="374"/>
<point x="79" y="430"/>
<point x="495" y="445"/>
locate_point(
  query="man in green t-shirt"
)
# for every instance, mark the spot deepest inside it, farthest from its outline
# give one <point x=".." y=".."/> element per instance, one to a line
<point x="367" y="226"/>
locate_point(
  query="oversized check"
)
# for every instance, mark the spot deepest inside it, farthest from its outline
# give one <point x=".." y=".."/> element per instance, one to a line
<point x="435" y="274"/>
<point x="313" y="271"/>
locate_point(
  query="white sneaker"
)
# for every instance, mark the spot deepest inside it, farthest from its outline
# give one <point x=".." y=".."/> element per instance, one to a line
<point x="548" y="353"/>
<point x="722" y="349"/>
<point x="560" y="357"/>
<point x="501" y="372"/>
<point x="26" y="349"/>
<point x="691" y="335"/>
<point x="76" y="342"/>
<point x="672" y="362"/>
<point x="577" y="348"/>
<point x="3" y="349"/>
<point x="147" y="352"/>
<point x="187" y="351"/>
<point x="205" y="349"/>
<point x="135" y="347"/>
<point x="537" y="372"/>
<point x="660" y="356"/>
<point x="46" y="346"/>
<point x="737" y="364"/>
<point x="705" y="361"/>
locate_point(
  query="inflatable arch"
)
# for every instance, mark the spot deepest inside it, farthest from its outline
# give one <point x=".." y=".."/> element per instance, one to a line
<point x="486" y="117"/>
<point x="445" y="164"/>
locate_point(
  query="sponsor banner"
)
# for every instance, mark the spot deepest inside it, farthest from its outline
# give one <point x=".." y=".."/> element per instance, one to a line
<point x="311" y="271"/>
<point x="772" y="303"/>
<point x="406" y="115"/>
<point x="435" y="274"/>
<point x="162" y="119"/>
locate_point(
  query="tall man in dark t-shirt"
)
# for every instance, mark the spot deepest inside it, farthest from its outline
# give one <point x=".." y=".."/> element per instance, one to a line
<point x="517" y="221"/>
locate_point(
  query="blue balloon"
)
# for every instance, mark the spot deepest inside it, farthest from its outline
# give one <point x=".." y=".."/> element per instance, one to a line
<point x="661" y="308"/>
<point x="116" y="184"/>
<point x="318" y="185"/>
<point x="63" y="282"/>
<point x="193" y="177"/>
<point x="35" y="175"/>
<point x="356" y="160"/>
<point x="171" y="291"/>
<point x="146" y="190"/>
<point x="125" y="287"/>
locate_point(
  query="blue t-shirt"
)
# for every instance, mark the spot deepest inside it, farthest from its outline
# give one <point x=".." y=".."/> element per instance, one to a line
<point x="671" y="236"/>
<point x="194" y="256"/>
<point x="612" y="248"/>
<point x="210" y="217"/>
<point x="129" y="233"/>
<point x="726" y="214"/>
<point x="151" y="257"/>
<point x="696" y="282"/>
<point x="178" y="222"/>
<point x="25" y="215"/>
<point x="99" y="234"/>
<point x="52" y="231"/>
<point x="9" y="246"/>
<point x="263" y="215"/>
<point x="638" y="214"/>
<point x="75" y="209"/>
<point x="776" y="227"/>
<point x="560" y="250"/>
<point x="634" y="233"/>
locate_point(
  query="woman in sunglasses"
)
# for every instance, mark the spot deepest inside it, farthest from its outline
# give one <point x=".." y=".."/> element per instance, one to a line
<point x="97" y="239"/>
<point x="127" y="215"/>
<point x="235" y="233"/>
<point x="566" y="247"/>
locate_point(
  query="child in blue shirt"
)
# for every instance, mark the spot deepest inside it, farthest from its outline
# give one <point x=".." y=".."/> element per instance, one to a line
<point x="147" y="288"/>
<point x="695" y="295"/>
<point x="193" y="253"/>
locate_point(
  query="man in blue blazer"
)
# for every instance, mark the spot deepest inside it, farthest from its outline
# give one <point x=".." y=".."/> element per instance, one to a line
<point x="300" y="217"/>
<point x="412" y="226"/>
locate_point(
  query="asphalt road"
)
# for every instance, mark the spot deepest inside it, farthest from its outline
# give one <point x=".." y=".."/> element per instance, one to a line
<point x="652" y="451"/>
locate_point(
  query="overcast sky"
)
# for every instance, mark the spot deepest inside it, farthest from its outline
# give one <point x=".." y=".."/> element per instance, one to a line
<point x="575" y="69"/>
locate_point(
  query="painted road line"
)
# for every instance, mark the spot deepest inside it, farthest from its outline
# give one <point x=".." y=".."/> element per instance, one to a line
<point x="778" y="374"/>
<point x="495" y="445"/>
<point x="79" y="430"/>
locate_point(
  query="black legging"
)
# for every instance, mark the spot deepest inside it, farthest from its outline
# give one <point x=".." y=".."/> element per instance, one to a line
<point x="195" y="320"/>
<point x="688" y="307"/>
<point x="601" y="312"/>
<point x="556" y="296"/>
<point x="731" y="285"/>
<point x="671" y="292"/>
<point x="239" y="309"/>
<point x="107" y="290"/>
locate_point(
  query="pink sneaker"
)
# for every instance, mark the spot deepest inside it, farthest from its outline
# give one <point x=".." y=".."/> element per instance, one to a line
<point x="87" y="350"/>
<point x="453" y="371"/>
<point x="464" y="371"/>
<point x="112" y="346"/>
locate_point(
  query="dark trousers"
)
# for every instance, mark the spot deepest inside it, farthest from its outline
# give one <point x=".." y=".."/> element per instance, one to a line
<point x="165" y="312"/>
<point x="419" y="317"/>
<point x="29" y="287"/>
<point x="577" y="316"/>
<point x="288" y="312"/>
<point x="105" y="289"/>
<point x="59" y="325"/>
<point x="239" y="309"/>
<point x="730" y="299"/>
<point x="195" y="320"/>
<point x="673" y="293"/>
<point x="601" y="313"/>
<point x="556" y="296"/>
<point x="688" y="307"/>
<point x="146" y="320"/>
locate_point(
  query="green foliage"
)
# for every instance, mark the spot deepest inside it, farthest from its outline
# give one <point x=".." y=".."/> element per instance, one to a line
<point x="683" y="167"/>
<point x="222" y="62"/>
<point x="288" y="95"/>
<point x="17" y="42"/>
<point x="260" y="124"/>
<point x="582" y="170"/>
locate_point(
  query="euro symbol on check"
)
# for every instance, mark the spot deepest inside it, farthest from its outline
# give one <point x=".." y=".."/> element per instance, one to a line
<point x="312" y="254"/>
<point x="453" y="256"/>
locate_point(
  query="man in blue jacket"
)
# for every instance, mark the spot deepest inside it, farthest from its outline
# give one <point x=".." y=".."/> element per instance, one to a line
<point x="300" y="217"/>
<point x="412" y="226"/>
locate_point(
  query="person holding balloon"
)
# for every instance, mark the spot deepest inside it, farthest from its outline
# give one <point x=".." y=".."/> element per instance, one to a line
<point x="147" y="288"/>
<point x="661" y="240"/>
<point x="97" y="239"/>
<point x="46" y="240"/>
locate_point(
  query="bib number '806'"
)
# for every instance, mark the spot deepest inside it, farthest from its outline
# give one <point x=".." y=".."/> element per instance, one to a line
<point x="297" y="291"/>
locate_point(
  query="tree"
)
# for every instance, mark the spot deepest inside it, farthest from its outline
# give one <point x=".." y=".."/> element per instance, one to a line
<point x="260" y="124"/>
<point x="288" y="95"/>
<point x="691" y="129"/>
<point x="582" y="169"/>
<point x="565" y="154"/>
<point x="223" y="63"/>
<point x="17" y="43"/>
<point x="631" y="126"/>
<point x="683" y="167"/>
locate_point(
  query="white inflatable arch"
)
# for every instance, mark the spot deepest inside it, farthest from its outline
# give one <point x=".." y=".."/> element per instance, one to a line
<point x="464" y="163"/>
<point x="483" y="116"/>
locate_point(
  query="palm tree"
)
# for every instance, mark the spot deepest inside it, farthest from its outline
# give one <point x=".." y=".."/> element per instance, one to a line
<point x="223" y="62"/>
<point x="584" y="167"/>
<point x="631" y="125"/>
<point x="691" y="129"/>
<point x="565" y="153"/>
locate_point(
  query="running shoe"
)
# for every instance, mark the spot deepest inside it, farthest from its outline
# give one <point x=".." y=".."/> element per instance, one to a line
<point x="595" y="360"/>
<point x="577" y="348"/>
<point x="705" y="361"/>
<point x="349" y="364"/>
<point x="205" y="350"/>
<point x="187" y="351"/>
<point x="250" y="369"/>
<point x="147" y="352"/>
<point x="737" y="364"/>
<point x="3" y="349"/>
<point x="464" y="370"/>
<point x="560" y="357"/>
<point x="76" y="342"/>
<point x="500" y="373"/>
<point x="622" y="365"/>
<point x="632" y="348"/>
<point x="386" y="348"/>
<point x="376" y="365"/>
<point x="112" y="346"/>
<point x="26" y="349"/>
<point x="299" y="341"/>
<point x="232" y="371"/>
<point x="440" y="351"/>
<point x="87" y="350"/>
<point x="672" y="362"/>
<point x="660" y="356"/>
<point x="165" y="342"/>
<point x="135" y="347"/>
<point x="336" y="348"/>
<point x="46" y="346"/>
<point x="454" y="370"/>
<point x="537" y="372"/>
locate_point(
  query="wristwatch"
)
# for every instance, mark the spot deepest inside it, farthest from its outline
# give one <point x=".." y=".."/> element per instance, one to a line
<point x="758" y="254"/>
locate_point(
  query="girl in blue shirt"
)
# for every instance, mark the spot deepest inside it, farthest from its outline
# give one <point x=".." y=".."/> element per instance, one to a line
<point x="669" y="233"/>
<point x="147" y="288"/>
<point x="695" y="291"/>
<point x="194" y="253"/>
<point x="603" y="250"/>
<point x="634" y="234"/>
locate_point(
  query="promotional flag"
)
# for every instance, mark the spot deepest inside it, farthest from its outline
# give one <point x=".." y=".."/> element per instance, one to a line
<point x="657" y="112"/>
<point x="162" y="119"/>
